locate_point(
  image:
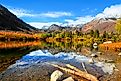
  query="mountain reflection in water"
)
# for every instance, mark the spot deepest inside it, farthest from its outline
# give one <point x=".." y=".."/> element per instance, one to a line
<point x="40" y="56"/>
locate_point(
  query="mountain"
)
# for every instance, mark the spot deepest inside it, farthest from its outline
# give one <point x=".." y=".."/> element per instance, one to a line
<point x="9" y="21"/>
<point x="102" y="24"/>
<point x="57" y="28"/>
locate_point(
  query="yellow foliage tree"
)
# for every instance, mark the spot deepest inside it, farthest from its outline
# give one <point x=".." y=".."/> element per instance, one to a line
<point x="118" y="26"/>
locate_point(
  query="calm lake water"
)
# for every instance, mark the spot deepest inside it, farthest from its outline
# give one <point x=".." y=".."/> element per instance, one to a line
<point x="33" y="62"/>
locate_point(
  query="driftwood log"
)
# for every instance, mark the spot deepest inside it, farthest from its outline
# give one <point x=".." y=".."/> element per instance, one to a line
<point x="75" y="71"/>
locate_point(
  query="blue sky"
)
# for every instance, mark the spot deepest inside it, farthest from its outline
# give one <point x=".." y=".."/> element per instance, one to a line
<point x="62" y="12"/>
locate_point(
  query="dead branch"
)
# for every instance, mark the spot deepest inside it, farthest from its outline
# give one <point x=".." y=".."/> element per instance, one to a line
<point x="84" y="67"/>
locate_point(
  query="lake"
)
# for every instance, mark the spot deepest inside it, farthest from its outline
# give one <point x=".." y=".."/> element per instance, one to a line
<point x="31" y="61"/>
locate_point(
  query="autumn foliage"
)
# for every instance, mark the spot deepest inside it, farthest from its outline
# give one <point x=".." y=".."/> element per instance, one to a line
<point x="11" y="36"/>
<point x="111" y="46"/>
<point x="16" y="44"/>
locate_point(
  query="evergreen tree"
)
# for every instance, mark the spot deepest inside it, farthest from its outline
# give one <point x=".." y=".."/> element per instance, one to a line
<point x="105" y="35"/>
<point x="96" y="34"/>
<point x="118" y="26"/>
<point x="91" y="33"/>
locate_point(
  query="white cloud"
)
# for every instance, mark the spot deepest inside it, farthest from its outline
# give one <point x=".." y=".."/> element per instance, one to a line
<point x="112" y="11"/>
<point x="79" y="20"/>
<point x="21" y="12"/>
<point x="43" y="24"/>
<point x="56" y="14"/>
<point x="25" y="13"/>
<point x="109" y="12"/>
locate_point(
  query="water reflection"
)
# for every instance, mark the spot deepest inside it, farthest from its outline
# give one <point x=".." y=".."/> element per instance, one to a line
<point x="53" y="47"/>
<point x="62" y="57"/>
<point x="18" y="44"/>
<point x="30" y="61"/>
<point x="10" y="56"/>
<point x="36" y="61"/>
<point x="45" y="56"/>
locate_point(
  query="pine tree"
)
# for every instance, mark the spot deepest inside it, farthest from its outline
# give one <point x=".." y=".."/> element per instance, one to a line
<point x="91" y="33"/>
<point x="118" y="26"/>
<point x="96" y="34"/>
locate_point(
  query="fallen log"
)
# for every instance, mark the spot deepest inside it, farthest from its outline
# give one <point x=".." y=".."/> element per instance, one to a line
<point x="73" y="70"/>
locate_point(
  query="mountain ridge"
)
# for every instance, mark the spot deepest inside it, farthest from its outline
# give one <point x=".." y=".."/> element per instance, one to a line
<point x="102" y="24"/>
<point x="9" y="21"/>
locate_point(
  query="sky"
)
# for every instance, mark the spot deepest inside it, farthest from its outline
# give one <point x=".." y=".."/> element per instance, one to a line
<point x="41" y="13"/>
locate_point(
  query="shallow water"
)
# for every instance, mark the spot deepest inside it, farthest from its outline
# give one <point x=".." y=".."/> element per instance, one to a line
<point x="32" y="63"/>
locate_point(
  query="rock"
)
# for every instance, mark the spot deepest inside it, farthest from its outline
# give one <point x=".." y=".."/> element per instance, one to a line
<point x="95" y="45"/>
<point x="107" y="42"/>
<point x="56" y="75"/>
<point x="91" y="61"/>
<point x="99" y="52"/>
<point x="69" y="79"/>
<point x="94" y="55"/>
<point x="119" y="54"/>
<point x="109" y="61"/>
<point x="85" y="51"/>
<point x="116" y="69"/>
<point x="78" y="52"/>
